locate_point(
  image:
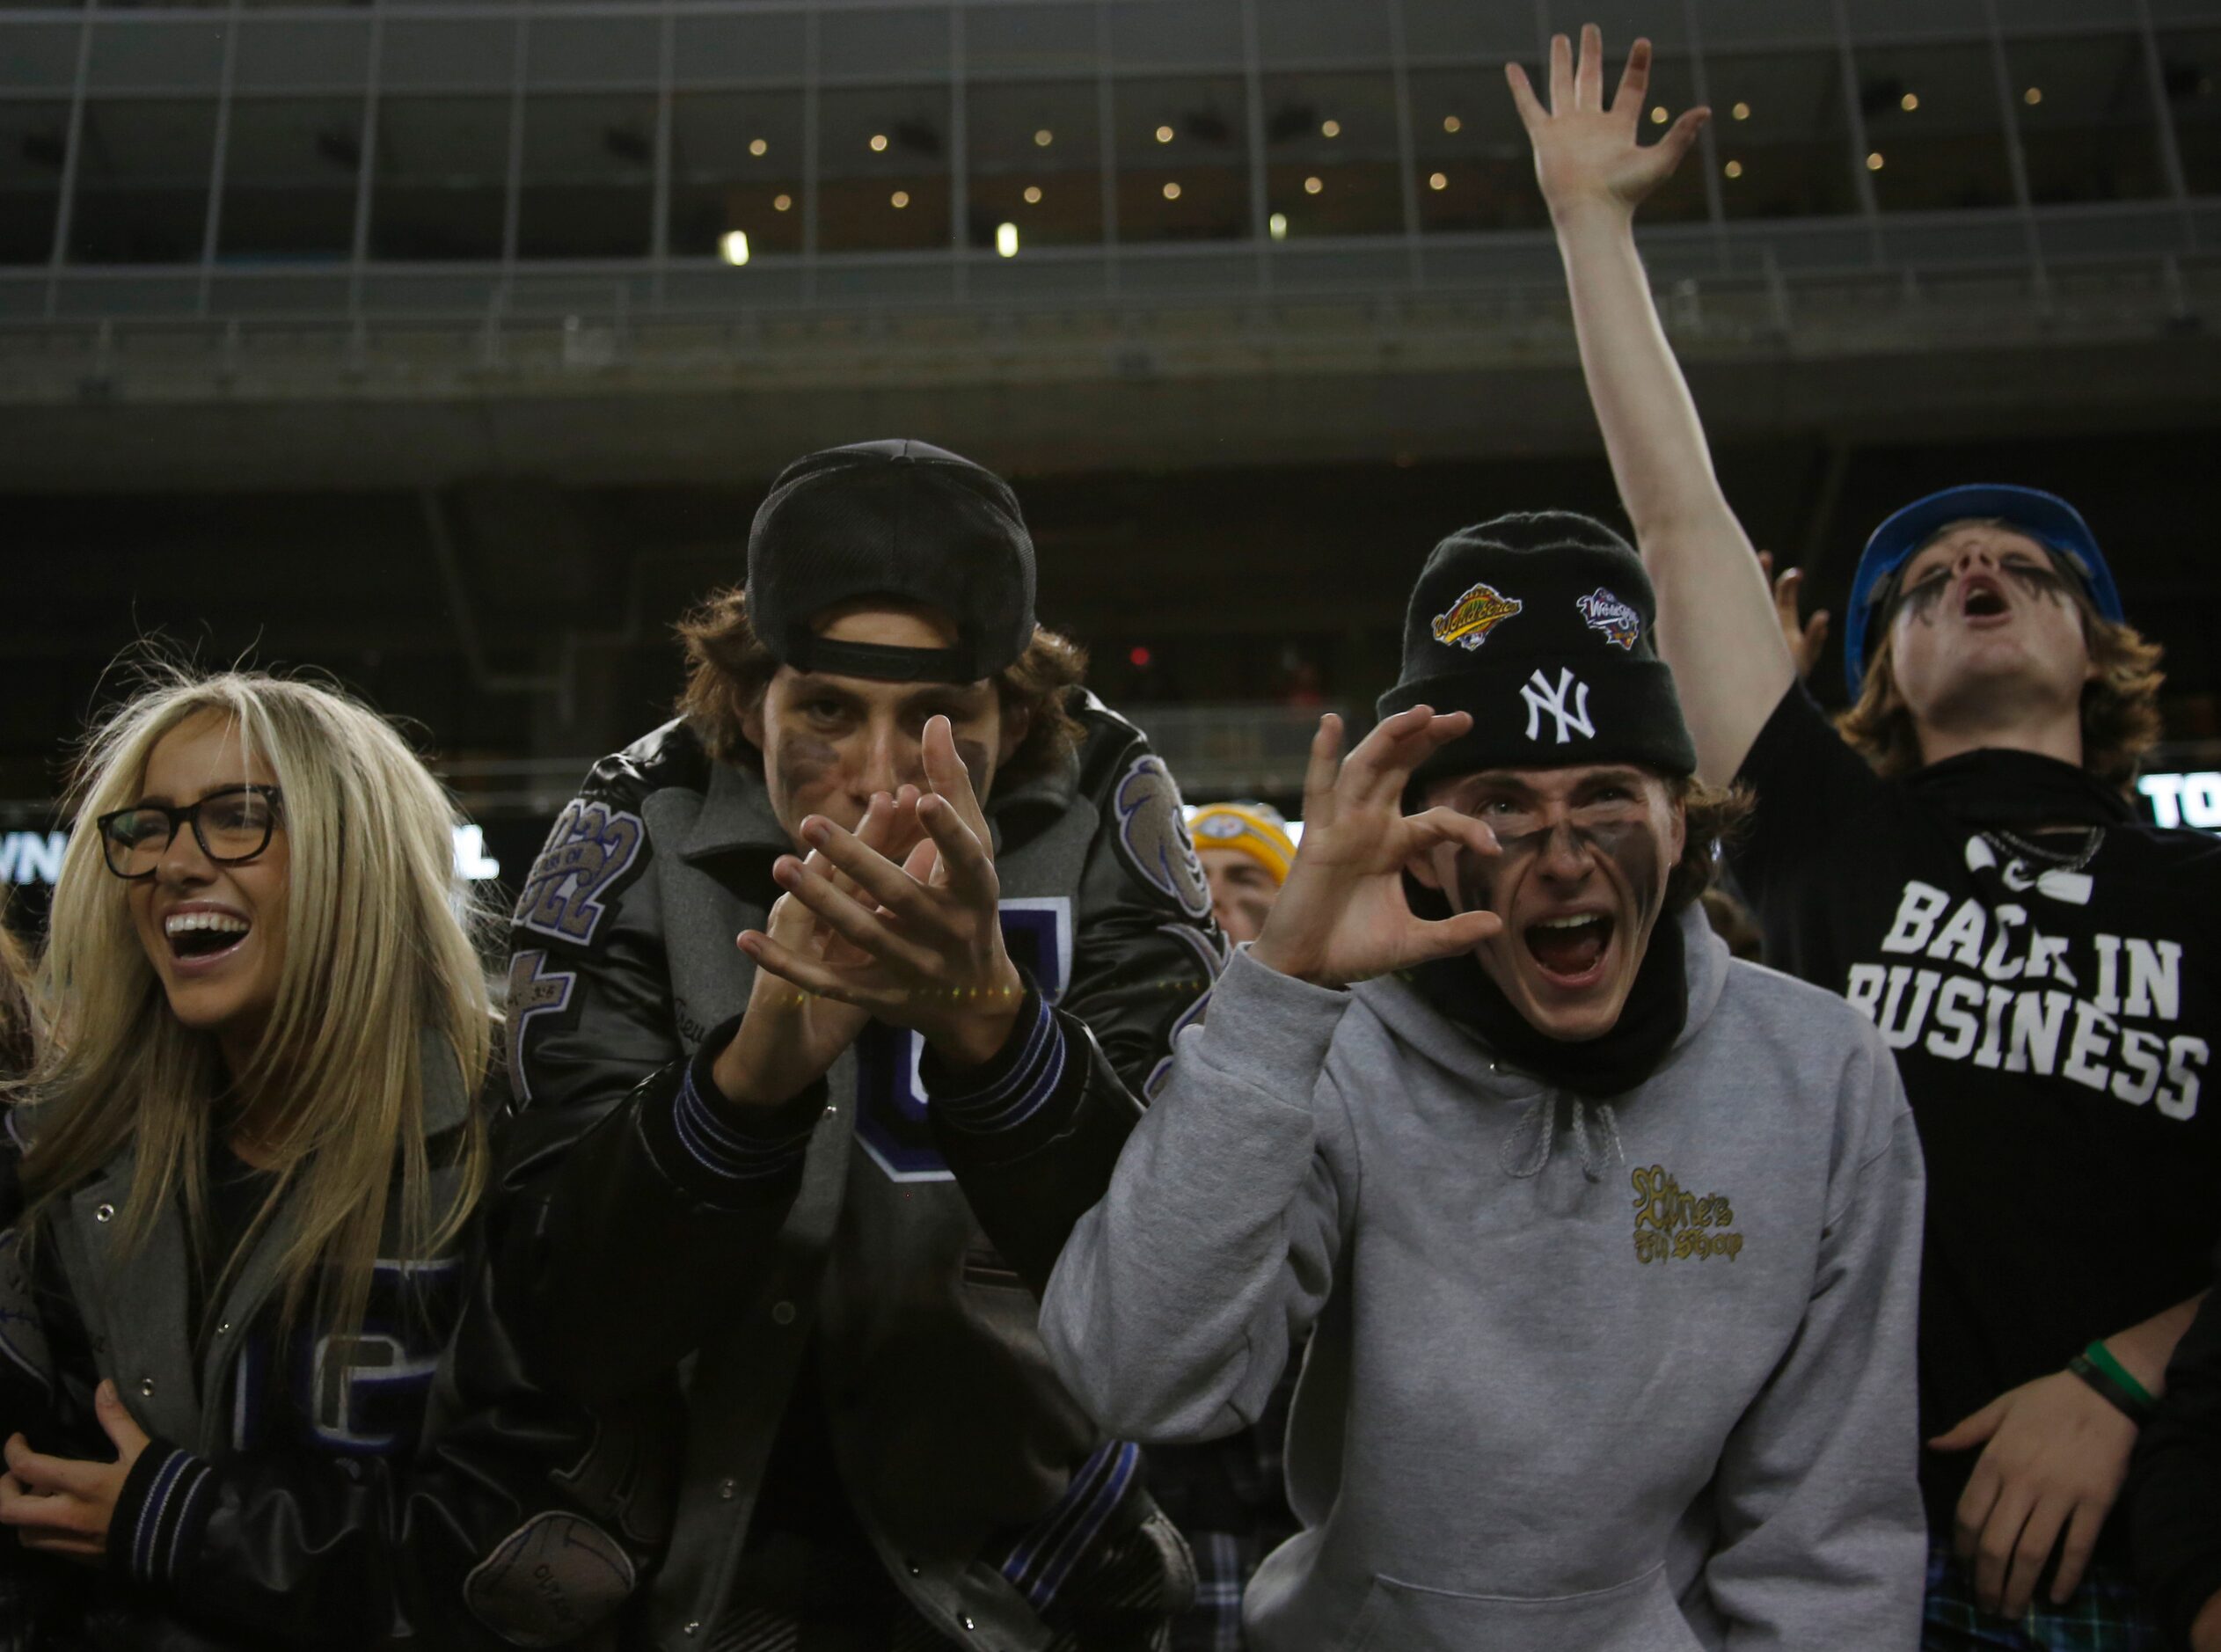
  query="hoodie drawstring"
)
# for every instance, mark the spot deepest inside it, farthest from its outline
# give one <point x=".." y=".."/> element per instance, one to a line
<point x="1526" y="1149"/>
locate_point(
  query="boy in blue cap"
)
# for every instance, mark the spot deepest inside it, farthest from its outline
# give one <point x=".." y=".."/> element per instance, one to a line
<point x="1974" y="879"/>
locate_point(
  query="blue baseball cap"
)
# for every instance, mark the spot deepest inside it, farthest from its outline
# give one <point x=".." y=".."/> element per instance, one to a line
<point x="2044" y="517"/>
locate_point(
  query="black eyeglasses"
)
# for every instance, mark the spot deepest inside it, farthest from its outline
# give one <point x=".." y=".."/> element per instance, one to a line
<point x="2037" y="579"/>
<point x="230" y="825"/>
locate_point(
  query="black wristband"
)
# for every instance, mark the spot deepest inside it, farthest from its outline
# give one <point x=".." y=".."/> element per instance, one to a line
<point x="2137" y="1410"/>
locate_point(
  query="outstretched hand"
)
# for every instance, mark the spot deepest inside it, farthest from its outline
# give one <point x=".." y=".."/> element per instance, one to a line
<point x="1342" y="915"/>
<point x="1586" y="150"/>
<point x="789" y="1038"/>
<point x="923" y="937"/>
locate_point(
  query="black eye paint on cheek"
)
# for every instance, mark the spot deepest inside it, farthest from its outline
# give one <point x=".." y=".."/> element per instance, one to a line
<point x="1628" y="844"/>
<point x="804" y="762"/>
<point x="1632" y="847"/>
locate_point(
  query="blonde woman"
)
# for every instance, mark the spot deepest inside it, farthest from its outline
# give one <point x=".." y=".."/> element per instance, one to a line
<point x="242" y="1176"/>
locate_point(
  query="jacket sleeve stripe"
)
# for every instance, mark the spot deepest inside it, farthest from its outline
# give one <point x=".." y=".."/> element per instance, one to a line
<point x="1045" y="1557"/>
<point x="193" y="1483"/>
<point x="166" y="1484"/>
<point x="150" y="1513"/>
<point x="1020" y="1091"/>
<point x="724" y="1151"/>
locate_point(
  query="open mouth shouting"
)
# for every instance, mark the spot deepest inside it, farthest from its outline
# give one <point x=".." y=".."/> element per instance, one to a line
<point x="1570" y="948"/>
<point x="202" y="936"/>
<point x="1983" y="596"/>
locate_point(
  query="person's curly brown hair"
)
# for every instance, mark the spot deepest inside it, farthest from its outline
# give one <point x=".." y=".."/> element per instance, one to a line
<point x="1714" y="814"/>
<point x="2120" y="705"/>
<point x="728" y="668"/>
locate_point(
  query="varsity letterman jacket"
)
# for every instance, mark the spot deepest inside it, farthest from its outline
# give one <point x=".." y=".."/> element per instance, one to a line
<point x="682" y="1259"/>
<point x="282" y="1500"/>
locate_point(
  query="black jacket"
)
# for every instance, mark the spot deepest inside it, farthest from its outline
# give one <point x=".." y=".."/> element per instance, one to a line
<point x="282" y="1501"/>
<point x="2175" y="1485"/>
<point x="888" y="1250"/>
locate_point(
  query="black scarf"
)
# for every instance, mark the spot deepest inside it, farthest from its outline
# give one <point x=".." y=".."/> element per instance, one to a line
<point x="1998" y="787"/>
<point x="1596" y="1068"/>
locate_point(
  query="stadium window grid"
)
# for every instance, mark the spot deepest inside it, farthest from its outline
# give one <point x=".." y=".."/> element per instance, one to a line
<point x="520" y="86"/>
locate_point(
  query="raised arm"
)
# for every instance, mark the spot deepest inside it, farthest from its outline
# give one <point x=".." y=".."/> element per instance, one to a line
<point x="1716" y="622"/>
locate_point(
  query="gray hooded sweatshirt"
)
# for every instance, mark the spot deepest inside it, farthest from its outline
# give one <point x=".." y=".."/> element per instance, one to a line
<point x="1629" y="1378"/>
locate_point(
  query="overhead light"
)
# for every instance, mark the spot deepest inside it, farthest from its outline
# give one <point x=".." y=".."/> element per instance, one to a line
<point x="1172" y="192"/>
<point x="1452" y="123"/>
<point x="1043" y="138"/>
<point x="1312" y="185"/>
<point x="1033" y="194"/>
<point x="879" y="141"/>
<point x="1438" y="181"/>
<point x="1734" y="169"/>
<point x="1330" y="129"/>
<point x="2034" y="95"/>
<point x="1007" y="240"/>
<point x="900" y="199"/>
<point x="1658" y="115"/>
<point x="1278" y="225"/>
<point x="758" y="147"/>
<point x="1874" y="162"/>
<point x="1909" y="102"/>
<point x="1742" y="111"/>
<point x="1164" y="134"/>
<point x="782" y="203"/>
<point x="733" y="247"/>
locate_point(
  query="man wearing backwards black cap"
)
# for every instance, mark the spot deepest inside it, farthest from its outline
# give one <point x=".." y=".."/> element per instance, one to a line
<point x="1608" y="1242"/>
<point x="2041" y="963"/>
<point x="954" y="877"/>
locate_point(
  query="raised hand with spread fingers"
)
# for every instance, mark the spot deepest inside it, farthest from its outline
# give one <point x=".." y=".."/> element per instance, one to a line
<point x="922" y="936"/>
<point x="1587" y="152"/>
<point x="1343" y="916"/>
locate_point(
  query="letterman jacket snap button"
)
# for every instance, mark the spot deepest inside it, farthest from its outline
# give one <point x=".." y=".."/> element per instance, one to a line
<point x="966" y="1620"/>
<point x="103" y="1213"/>
<point x="782" y="1313"/>
<point x="146" y="1387"/>
<point x="728" y="1489"/>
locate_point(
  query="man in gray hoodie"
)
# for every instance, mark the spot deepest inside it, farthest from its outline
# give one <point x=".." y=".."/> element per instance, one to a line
<point x="1610" y="1244"/>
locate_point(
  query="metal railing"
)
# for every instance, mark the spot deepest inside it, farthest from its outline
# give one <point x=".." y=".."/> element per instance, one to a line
<point x="1491" y="304"/>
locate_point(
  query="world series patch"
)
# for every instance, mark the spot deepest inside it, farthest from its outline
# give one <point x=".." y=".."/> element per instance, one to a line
<point x="1466" y="622"/>
<point x="1617" y="621"/>
<point x="590" y="850"/>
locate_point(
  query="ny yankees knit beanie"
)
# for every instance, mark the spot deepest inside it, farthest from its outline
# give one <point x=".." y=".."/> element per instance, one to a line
<point x="1539" y="624"/>
<point x="895" y="519"/>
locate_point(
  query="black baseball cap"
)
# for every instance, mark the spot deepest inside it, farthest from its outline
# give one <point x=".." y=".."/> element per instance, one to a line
<point x="897" y="519"/>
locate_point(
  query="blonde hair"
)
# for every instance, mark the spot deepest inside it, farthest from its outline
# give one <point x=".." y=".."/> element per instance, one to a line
<point x="378" y="951"/>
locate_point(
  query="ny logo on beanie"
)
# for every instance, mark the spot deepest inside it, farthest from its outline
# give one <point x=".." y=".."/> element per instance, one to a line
<point x="1541" y="697"/>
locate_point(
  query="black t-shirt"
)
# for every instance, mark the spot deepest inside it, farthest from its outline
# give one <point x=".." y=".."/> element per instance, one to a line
<point x="2054" y="1028"/>
<point x="236" y="1192"/>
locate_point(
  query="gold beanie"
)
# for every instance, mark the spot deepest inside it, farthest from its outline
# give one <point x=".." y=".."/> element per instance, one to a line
<point x="1255" y="828"/>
